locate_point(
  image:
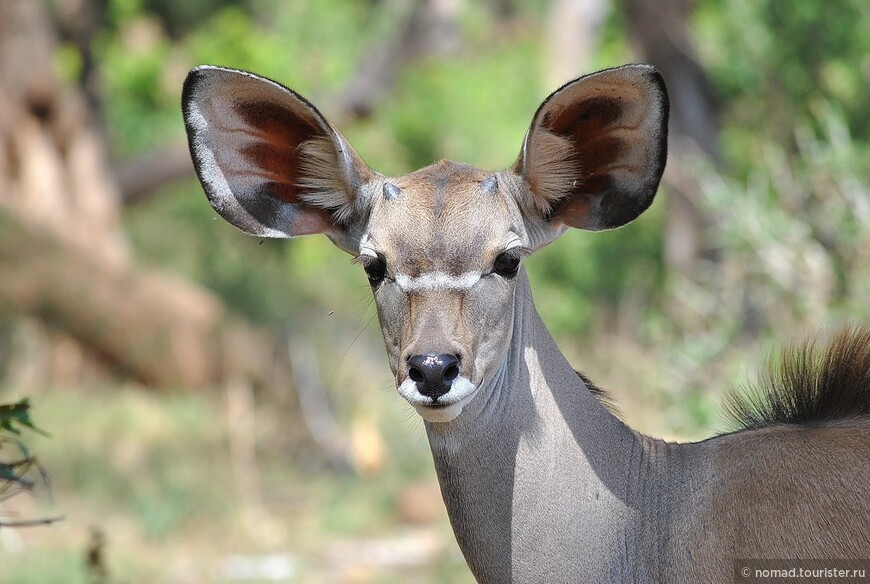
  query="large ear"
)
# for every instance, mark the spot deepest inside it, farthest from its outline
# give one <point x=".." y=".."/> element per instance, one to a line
<point x="269" y="162"/>
<point x="596" y="149"/>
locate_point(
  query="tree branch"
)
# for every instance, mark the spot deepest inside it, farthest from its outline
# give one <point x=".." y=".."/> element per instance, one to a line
<point x="160" y="329"/>
<point x="429" y="28"/>
<point x="141" y="178"/>
<point x="33" y="522"/>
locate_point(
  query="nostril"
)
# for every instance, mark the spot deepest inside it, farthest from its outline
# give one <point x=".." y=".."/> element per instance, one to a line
<point x="433" y="373"/>
<point x="416" y="375"/>
<point x="451" y="373"/>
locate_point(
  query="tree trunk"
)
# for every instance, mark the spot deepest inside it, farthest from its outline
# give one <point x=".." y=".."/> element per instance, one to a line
<point x="63" y="256"/>
<point x="430" y="27"/>
<point x="53" y="163"/>
<point x="660" y="34"/>
<point x="152" y="326"/>
<point x="573" y="37"/>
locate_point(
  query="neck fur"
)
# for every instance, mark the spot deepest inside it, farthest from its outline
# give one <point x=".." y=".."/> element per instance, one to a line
<point x="537" y="476"/>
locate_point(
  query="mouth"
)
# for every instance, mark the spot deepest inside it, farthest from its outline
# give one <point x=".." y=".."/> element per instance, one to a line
<point x="441" y="413"/>
<point x="447" y="408"/>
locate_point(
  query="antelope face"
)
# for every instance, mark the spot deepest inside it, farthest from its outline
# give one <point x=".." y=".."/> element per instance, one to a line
<point x="441" y="246"/>
<point x="441" y="252"/>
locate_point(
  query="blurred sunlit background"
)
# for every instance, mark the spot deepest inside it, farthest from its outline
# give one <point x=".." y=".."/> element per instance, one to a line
<point x="219" y="408"/>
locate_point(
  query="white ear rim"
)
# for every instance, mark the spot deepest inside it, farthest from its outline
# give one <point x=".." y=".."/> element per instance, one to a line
<point x="336" y="189"/>
<point x="214" y="183"/>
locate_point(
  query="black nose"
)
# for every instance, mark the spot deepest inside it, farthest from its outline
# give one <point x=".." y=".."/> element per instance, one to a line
<point x="434" y="374"/>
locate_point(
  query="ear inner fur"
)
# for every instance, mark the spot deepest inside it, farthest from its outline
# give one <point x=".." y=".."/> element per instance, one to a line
<point x="596" y="149"/>
<point x="324" y="184"/>
<point x="270" y="163"/>
<point x="551" y="172"/>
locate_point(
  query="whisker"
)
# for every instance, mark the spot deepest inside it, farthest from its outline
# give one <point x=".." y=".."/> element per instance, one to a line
<point x="349" y="347"/>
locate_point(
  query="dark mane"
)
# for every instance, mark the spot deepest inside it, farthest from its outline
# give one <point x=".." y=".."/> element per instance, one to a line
<point x="600" y="394"/>
<point x="809" y="383"/>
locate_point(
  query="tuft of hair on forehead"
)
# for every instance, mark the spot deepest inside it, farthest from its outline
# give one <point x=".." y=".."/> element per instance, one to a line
<point x="323" y="182"/>
<point x="552" y="173"/>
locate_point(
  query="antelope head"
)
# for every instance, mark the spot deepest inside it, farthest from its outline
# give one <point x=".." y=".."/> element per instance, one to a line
<point x="442" y="247"/>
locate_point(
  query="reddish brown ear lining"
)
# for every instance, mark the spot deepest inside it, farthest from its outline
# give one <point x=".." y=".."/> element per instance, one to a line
<point x="587" y="124"/>
<point x="276" y="166"/>
<point x="274" y="123"/>
<point x="276" y="153"/>
<point x="574" y="213"/>
<point x="267" y="159"/>
<point x="596" y="149"/>
<point x="311" y="221"/>
<point x="587" y="116"/>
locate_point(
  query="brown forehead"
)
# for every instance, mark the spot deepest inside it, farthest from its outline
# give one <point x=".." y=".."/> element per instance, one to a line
<point x="442" y="220"/>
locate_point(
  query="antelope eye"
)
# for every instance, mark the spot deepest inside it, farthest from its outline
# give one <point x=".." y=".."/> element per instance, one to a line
<point x="507" y="264"/>
<point x="376" y="269"/>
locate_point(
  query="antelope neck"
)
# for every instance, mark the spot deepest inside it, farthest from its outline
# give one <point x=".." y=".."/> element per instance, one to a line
<point x="536" y="473"/>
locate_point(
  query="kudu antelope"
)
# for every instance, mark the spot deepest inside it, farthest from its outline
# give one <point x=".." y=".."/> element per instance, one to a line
<point x="541" y="482"/>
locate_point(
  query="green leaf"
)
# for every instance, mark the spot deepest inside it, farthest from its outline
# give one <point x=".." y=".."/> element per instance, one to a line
<point x="17" y="414"/>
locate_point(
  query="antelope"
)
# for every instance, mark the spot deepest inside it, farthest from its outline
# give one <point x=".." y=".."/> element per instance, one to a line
<point x="542" y="483"/>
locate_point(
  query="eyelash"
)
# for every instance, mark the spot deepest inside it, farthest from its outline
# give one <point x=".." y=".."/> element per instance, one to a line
<point x="375" y="268"/>
<point x="507" y="263"/>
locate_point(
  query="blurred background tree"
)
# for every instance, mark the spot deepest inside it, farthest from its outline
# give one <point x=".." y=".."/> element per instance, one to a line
<point x="116" y="279"/>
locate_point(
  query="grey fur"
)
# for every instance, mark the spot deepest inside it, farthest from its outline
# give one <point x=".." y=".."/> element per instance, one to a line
<point x="542" y="483"/>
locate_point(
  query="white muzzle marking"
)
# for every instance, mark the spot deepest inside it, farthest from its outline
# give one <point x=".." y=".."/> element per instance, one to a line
<point x="449" y="405"/>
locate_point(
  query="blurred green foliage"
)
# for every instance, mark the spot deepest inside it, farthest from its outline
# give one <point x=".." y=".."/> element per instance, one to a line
<point x="475" y="108"/>
<point x="778" y="65"/>
<point x="788" y="216"/>
<point x="15" y="461"/>
<point x="152" y="471"/>
<point x="15" y="416"/>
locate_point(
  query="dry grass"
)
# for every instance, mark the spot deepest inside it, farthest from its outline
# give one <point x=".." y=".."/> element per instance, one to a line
<point x="154" y="477"/>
